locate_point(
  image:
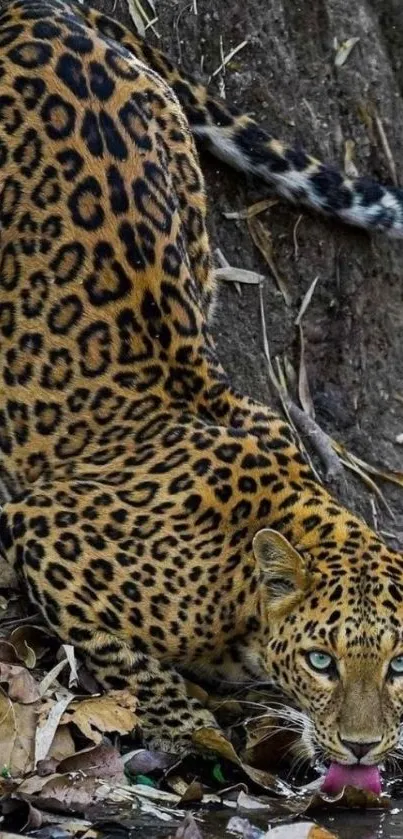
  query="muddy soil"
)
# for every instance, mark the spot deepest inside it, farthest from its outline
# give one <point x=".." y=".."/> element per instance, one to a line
<point x="287" y="78"/>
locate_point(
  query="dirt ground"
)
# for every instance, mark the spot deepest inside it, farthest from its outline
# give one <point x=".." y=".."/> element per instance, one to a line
<point x="286" y="77"/>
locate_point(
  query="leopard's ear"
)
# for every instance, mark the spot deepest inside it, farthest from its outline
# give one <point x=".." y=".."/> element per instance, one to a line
<point x="283" y="568"/>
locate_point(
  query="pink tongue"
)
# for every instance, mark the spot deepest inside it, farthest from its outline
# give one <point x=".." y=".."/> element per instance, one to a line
<point x="364" y="777"/>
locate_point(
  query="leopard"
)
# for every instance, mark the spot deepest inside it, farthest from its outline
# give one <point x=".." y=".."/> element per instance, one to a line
<point x="161" y="522"/>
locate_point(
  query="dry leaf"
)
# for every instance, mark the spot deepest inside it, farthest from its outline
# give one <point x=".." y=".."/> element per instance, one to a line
<point x="21" y="684"/>
<point x="268" y="781"/>
<point x="62" y="745"/>
<point x="100" y="714"/>
<point x="344" y="51"/>
<point x="238" y="275"/>
<point x="187" y="792"/>
<point x="30" y="642"/>
<point x="103" y="761"/>
<point x="17" y="736"/>
<point x="71" y="793"/>
<point x="144" y="762"/>
<point x="318" y="832"/>
<point x="6" y="835"/>
<point x="223" y="263"/>
<point x="253" y="210"/>
<point x="212" y="739"/>
<point x="21" y="814"/>
<point x="8" y="653"/>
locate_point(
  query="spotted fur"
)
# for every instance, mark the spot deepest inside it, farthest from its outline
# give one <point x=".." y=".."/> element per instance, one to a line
<point x="162" y="522"/>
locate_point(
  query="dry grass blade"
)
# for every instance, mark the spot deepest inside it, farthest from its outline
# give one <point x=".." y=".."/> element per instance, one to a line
<point x="294" y="236"/>
<point x="279" y="383"/>
<point x="262" y="239"/>
<point x="266" y="349"/>
<point x="304" y="392"/>
<point x="349" y="165"/>
<point x="46" y="731"/>
<point x="385" y="147"/>
<point x="227" y="58"/>
<point x="51" y="677"/>
<point x="306" y="301"/>
<point x="253" y="210"/>
<point x="351" y="463"/>
<point x="392" y="477"/>
<point x="365" y="114"/>
<point x="139" y="16"/>
<point x="344" y="51"/>
<point x="291" y="377"/>
<point x="71" y="658"/>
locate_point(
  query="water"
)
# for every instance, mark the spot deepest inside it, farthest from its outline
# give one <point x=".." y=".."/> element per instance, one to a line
<point x="346" y="824"/>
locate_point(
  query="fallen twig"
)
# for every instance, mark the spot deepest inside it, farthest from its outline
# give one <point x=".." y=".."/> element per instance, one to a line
<point x="321" y="442"/>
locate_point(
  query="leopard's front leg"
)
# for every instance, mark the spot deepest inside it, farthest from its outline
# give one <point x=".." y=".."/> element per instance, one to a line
<point x="168" y="717"/>
<point x="72" y="544"/>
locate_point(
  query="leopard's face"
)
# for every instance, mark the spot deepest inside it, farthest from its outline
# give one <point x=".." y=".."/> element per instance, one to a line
<point x="336" y="647"/>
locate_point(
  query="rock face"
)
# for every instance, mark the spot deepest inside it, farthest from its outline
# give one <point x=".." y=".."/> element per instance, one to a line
<point x="287" y="78"/>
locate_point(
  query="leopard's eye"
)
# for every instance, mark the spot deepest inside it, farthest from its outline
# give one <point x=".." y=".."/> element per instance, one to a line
<point x="396" y="666"/>
<point x="321" y="662"/>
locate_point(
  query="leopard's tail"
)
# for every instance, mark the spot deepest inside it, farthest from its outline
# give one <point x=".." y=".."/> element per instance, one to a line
<point x="241" y="142"/>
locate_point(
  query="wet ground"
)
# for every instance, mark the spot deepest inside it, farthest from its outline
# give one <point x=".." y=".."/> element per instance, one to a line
<point x="345" y="824"/>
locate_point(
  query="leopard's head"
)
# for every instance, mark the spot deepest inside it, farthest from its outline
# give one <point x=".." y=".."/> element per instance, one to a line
<point x="335" y="614"/>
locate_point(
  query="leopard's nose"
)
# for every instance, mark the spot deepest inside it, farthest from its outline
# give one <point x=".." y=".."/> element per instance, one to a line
<point x="358" y="748"/>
